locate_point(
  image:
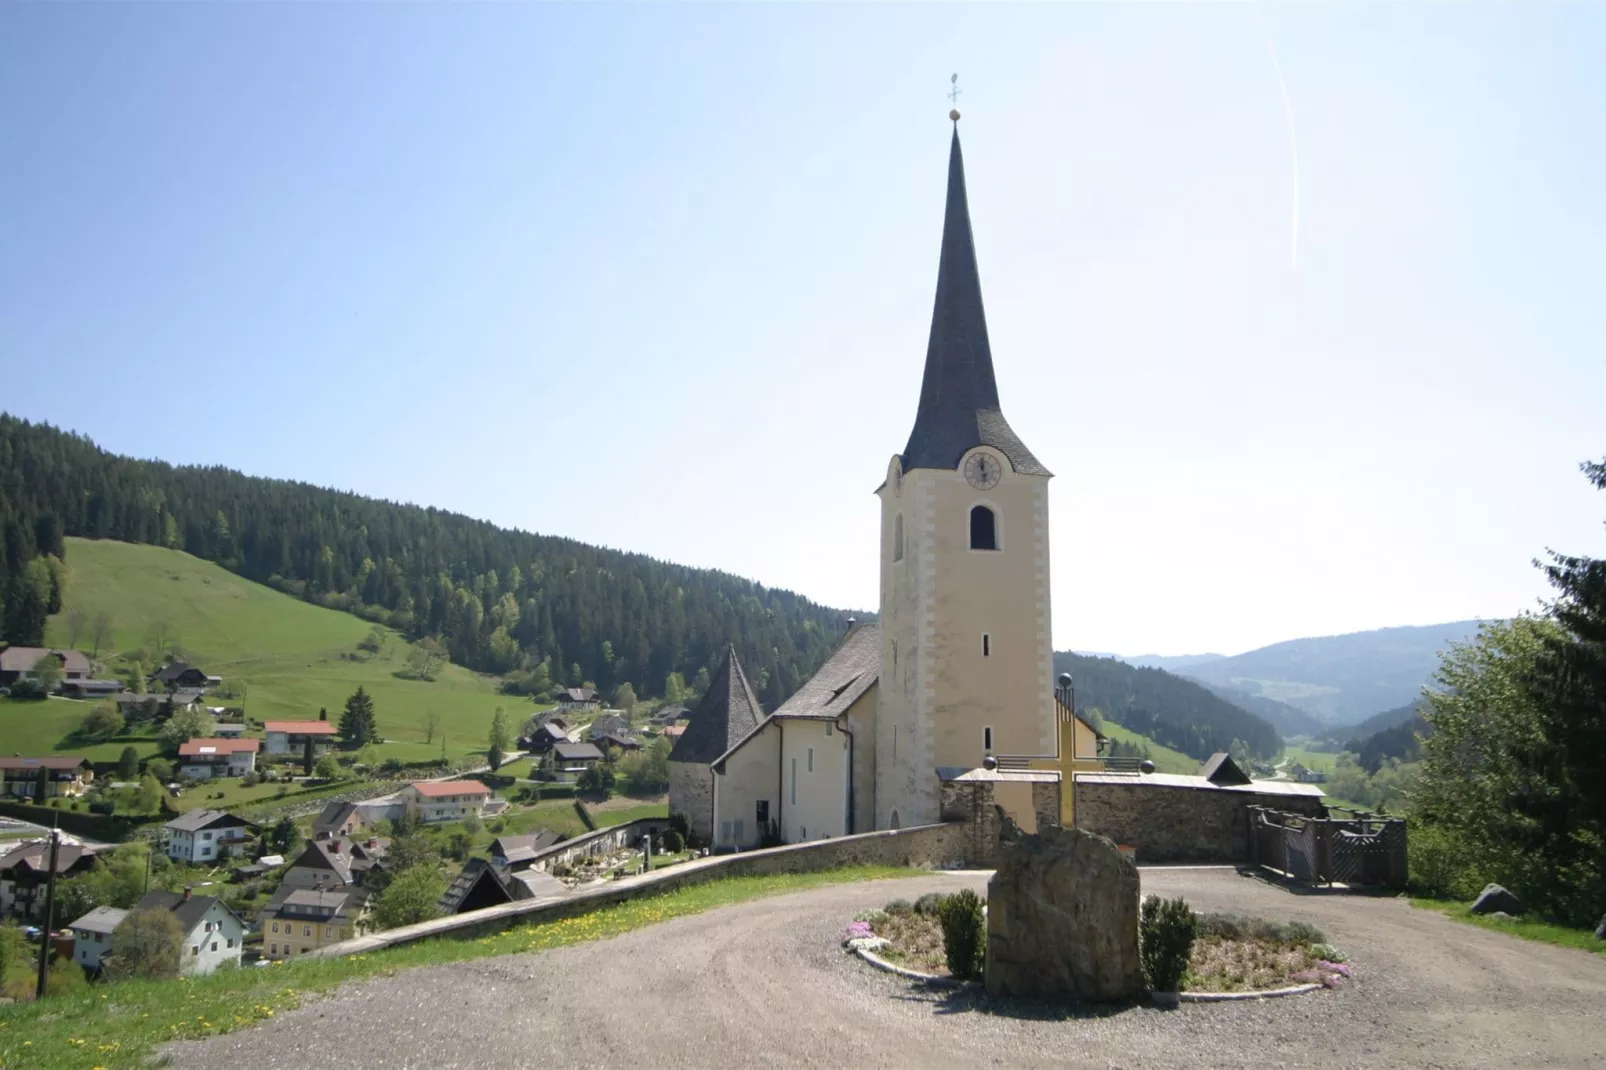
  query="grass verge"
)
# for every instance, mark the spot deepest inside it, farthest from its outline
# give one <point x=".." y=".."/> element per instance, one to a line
<point x="1527" y="928"/>
<point x="121" y="1025"/>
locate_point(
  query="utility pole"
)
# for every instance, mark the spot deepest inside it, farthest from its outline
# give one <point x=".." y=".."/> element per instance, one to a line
<point x="50" y="906"/>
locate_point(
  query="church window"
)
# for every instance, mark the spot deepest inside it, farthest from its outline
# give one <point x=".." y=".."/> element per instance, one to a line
<point x="987" y="738"/>
<point x="895" y="822"/>
<point x="794" y="781"/>
<point x="894" y="742"/>
<point x="986" y="645"/>
<point x="811" y="759"/>
<point x="983" y="529"/>
<point x="897" y="538"/>
<point x="828" y="730"/>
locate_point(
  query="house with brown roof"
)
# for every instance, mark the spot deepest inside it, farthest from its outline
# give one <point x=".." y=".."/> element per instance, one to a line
<point x="178" y="675"/>
<point x="38" y="779"/>
<point x="578" y="698"/>
<point x="727" y="712"/>
<point x="219" y="756"/>
<point x="290" y="737"/>
<point x="22" y="662"/>
<point x="434" y="801"/>
<point x="25" y="869"/>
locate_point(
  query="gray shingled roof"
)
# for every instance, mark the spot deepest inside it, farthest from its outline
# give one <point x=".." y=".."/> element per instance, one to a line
<point x="188" y="911"/>
<point x="845" y="676"/>
<point x="100" y="920"/>
<point x="959" y="407"/>
<point x="1219" y="768"/>
<point x="195" y="820"/>
<point x="725" y="714"/>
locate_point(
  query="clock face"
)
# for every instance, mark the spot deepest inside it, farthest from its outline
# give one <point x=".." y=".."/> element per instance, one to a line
<point x="983" y="471"/>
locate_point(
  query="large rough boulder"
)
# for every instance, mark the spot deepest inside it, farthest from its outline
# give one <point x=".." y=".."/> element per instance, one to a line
<point x="1495" y="899"/>
<point x="1062" y="919"/>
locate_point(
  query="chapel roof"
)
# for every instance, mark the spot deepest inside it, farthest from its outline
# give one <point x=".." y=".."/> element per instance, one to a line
<point x="727" y="712"/>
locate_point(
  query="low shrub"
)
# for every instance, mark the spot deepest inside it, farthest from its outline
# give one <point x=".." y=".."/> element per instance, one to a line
<point x="672" y="841"/>
<point x="928" y="903"/>
<point x="1166" y="931"/>
<point x="1240" y="927"/>
<point x="900" y="906"/>
<point x="874" y="916"/>
<point x="964" y="934"/>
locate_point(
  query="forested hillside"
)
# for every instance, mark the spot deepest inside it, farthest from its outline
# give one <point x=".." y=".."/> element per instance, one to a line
<point x="541" y="608"/>
<point x="1168" y="709"/>
<point x="1288" y="720"/>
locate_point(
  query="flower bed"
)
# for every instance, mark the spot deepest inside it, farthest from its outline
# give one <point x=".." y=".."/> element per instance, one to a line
<point x="1230" y="954"/>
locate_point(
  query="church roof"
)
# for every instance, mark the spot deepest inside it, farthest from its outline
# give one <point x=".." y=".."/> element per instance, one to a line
<point x="845" y="676"/>
<point x="959" y="407"/>
<point x="726" y="713"/>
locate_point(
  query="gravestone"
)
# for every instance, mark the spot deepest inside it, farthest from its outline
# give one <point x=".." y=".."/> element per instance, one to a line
<point x="1600" y="930"/>
<point x="1062" y="918"/>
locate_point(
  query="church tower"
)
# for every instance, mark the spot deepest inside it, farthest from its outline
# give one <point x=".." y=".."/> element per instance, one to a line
<point x="966" y="649"/>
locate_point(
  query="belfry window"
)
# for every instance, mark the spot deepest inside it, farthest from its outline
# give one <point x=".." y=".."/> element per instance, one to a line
<point x="983" y="529"/>
<point x="897" y="538"/>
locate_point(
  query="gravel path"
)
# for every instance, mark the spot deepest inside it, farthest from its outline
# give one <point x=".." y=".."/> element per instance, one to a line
<point x="766" y="983"/>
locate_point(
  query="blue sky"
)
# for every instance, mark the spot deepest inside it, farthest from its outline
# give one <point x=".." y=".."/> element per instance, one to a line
<point x="660" y="277"/>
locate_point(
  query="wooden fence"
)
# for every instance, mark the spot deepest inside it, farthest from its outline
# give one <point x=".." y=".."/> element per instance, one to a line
<point x="1361" y="849"/>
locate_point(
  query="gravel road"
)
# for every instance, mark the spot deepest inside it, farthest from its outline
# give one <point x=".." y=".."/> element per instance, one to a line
<point x="766" y="983"/>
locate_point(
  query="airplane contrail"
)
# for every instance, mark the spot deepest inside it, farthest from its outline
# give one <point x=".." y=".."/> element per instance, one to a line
<point x="1293" y="135"/>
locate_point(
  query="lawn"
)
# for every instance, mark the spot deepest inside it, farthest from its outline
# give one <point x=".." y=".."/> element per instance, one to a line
<point x="1321" y="761"/>
<point x="289" y="657"/>
<point x="623" y="814"/>
<point x="121" y="1025"/>
<point x="1165" y="759"/>
<point x="1526" y="927"/>
<point x="40" y="728"/>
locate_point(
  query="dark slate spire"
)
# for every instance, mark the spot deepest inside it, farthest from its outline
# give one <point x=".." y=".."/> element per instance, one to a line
<point x="959" y="397"/>
<point x="726" y="713"/>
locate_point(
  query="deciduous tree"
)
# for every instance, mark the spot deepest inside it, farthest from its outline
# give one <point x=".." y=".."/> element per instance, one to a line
<point x="147" y="944"/>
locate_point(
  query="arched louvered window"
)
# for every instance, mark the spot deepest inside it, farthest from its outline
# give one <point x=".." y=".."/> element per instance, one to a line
<point x="983" y="529"/>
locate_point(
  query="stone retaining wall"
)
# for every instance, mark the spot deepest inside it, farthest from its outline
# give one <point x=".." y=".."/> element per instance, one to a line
<point x="604" y="841"/>
<point x="925" y="846"/>
<point x="1177" y="824"/>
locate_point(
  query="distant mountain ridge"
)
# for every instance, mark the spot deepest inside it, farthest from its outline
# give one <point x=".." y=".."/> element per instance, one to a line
<point x="1169" y="709"/>
<point x="1333" y="680"/>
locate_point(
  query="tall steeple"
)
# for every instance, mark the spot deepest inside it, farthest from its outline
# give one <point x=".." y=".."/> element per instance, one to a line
<point x="959" y="407"/>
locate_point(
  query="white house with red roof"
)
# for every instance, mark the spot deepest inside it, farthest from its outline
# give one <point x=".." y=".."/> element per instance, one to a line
<point x="290" y="737"/>
<point x="218" y="756"/>
<point x="432" y="801"/>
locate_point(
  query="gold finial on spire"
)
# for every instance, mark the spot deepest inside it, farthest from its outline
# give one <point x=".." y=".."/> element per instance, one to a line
<point x="953" y="95"/>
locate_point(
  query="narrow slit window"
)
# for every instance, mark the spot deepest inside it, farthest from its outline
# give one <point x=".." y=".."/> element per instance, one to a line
<point x="811" y="759"/>
<point x="794" y="781"/>
<point x="987" y="738"/>
<point x="983" y="529"/>
<point x="897" y="538"/>
<point x="986" y="645"/>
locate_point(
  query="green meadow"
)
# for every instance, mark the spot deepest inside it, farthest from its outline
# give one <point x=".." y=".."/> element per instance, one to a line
<point x="289" y="657"/>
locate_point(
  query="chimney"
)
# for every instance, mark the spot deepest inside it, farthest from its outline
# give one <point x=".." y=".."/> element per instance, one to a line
<point x="187" y="891"/>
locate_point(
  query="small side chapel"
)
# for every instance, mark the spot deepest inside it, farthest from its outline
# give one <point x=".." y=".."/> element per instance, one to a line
<point x="958" y="668"/>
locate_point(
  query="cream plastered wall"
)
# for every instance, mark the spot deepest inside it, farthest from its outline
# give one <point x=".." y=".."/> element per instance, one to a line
<point x="938" y="603"/>
<point x="751" y="773"/>
<point x="861" y="722"/>
<point x="816" y="799"/>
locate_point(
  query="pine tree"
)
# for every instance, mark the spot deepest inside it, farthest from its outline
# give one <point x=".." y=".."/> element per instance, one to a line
<point x="499" y="740"/>
<point x="357" y="725"/>
<point x="128" y="765"/>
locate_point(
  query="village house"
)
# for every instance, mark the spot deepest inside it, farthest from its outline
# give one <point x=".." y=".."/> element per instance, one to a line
<point x="434" y="801"/>
<point x="578" y="698"/>
<point x="39" y="779"/>
<point x="290" y="737"/>
<point x="25" y="869"/>
<point x="92" y="936"/>
<point x="574" y="757"/>
<point x="206" y="836"/>
<point x="1304" y="775"/>
<point x="666" y="715"/>
<point x="202" y="759"/>
<point x="518" y="852"/>
<point x="91" y="689"/>
<point x="339" y="819"/>
<point x="300" y="920"/>
<point x="616" y="744"/>
<point x="178" y="675"/>
<point x="484" y="884"/>
<point x="213" y="934"/>
<point x="21" y="663"/>
<point x="545" y="736"/>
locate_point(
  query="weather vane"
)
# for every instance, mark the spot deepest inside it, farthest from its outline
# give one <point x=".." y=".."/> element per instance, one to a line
<point x="953" y="95"/>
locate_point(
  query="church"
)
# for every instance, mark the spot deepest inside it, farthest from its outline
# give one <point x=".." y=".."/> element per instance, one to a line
<point x="953" y="680"/>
